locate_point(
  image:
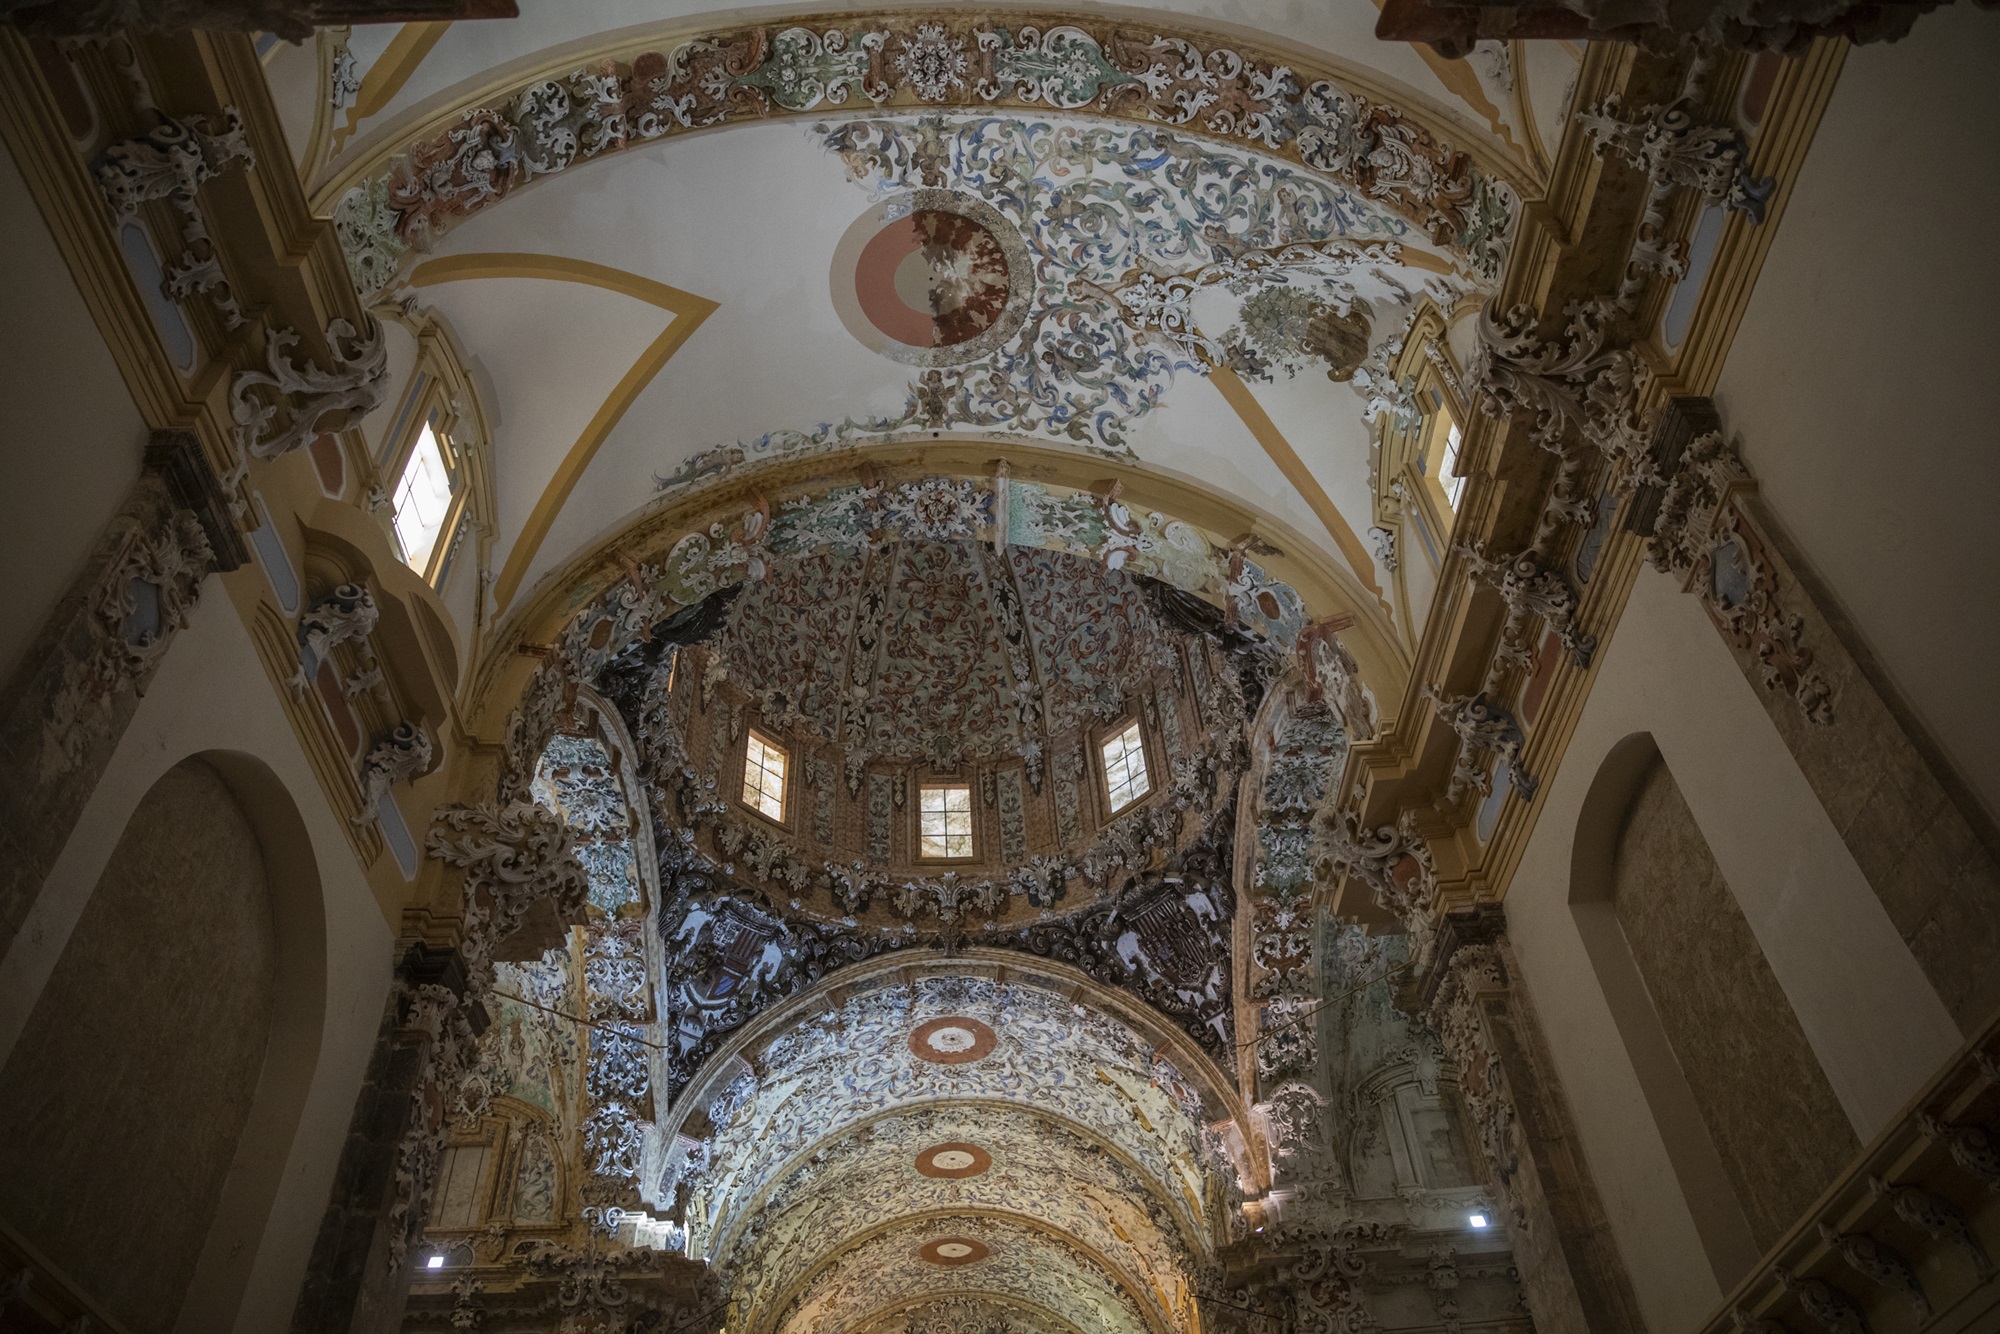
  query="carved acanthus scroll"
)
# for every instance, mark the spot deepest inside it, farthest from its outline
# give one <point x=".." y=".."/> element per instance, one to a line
<point x="282" y="409"/>
<point x="1704" y="535"/>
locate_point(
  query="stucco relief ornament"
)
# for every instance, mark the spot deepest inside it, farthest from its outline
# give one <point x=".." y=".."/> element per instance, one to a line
<point x="1576" y="385"/>
<point x="933" y="62"/>
<point x="1529" y="590"/>
<point x="344" y="79"/>
<point x="516" y="858"/>
<point x="1326" y="1285"/>
<point x="1384" y="542"/>
<point x="1703" y="536"/>
<point x="1085" y="64"/>
<point x="1454" y="1017"/>
<point x="278" y="410"/>
<point x="1671" y="147"/>
<point x="447" y="1053"/>
<point x="1373" y="856"/>
<point x="1482" y="726"/>
<point x="1289" y="1041"/>
<point x="398" y="757"/>
<point x="169" y="162"/>
<point x="345" y="615"/>
<point x="1333" y="675"/>
<point x="146" y="597"/>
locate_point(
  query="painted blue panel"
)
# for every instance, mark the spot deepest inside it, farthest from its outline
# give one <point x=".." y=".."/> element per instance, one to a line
<point x="271" y="555"/>
<point x="1701" y="254"/>
<point x="146" y="271"/>
<point x="396" y="833"/>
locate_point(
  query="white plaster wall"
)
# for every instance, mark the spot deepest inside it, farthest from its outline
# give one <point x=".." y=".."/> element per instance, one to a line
<point x="211" y="693"/>
<point x="1862" y="380"/>
<point x="71" y="440"/>
<point x="1872" y="1019"/>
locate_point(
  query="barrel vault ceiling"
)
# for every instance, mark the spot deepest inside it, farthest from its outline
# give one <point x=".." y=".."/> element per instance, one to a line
<point x="647" y="233"/>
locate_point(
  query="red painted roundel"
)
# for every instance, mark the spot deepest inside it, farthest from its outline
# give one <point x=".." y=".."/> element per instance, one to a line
<point x="932" y="279"/>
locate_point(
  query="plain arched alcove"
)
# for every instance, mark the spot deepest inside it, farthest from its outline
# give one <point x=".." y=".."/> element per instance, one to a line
<point x="154" y="1093"/>
<point x="1726" y="1236"/>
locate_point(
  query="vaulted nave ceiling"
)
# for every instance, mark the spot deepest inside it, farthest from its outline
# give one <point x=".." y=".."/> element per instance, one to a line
<point x="673" y="251"/>
<point x="924" y="393"/>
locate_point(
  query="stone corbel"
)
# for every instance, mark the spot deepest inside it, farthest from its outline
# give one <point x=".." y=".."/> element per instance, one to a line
<point x="285" y="407"/>
<point x="1482" y="727"/>
<point x="346" y="615"/>
<point x="398" y="757"/>
<point x="1529" y="589"/>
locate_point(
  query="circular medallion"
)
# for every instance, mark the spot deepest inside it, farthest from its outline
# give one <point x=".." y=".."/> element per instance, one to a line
<point x="952" y="1040"/>
<point x="954" y="1160"/>
<point x="932" y="278"/>
<point x="953" y="1251"/>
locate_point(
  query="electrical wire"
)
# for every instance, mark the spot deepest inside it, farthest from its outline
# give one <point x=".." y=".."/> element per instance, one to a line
<point x="587" y="1023"/>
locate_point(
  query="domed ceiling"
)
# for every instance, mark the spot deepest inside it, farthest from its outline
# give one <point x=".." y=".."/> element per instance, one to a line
<point x="919" y="660"/>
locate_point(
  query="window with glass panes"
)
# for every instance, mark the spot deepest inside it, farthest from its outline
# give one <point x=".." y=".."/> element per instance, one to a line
<point x="1125" y="777"/>
<point x="944" y="822"/>
<point x="423" y="500"/>
<point x="764" y="777"/>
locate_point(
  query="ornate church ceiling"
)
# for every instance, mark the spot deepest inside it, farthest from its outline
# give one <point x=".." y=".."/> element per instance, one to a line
<point x="1047" y="228"/>
<point x="830" y="421"/>
<point x="833" y="1160"/>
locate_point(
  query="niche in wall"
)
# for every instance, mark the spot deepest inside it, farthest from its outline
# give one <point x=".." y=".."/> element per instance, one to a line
<point x="129" y="1089"/>
<point x="1749" y="1120"/>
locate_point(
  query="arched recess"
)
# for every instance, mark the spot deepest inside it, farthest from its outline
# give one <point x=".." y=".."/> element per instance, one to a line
<point x="792" y="1139"/>
<point x="1740" y="1184"/>
<point x="168" y="1059"/>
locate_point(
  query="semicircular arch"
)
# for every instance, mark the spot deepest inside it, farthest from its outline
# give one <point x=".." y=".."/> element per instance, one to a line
<point x="411" y="181"/>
